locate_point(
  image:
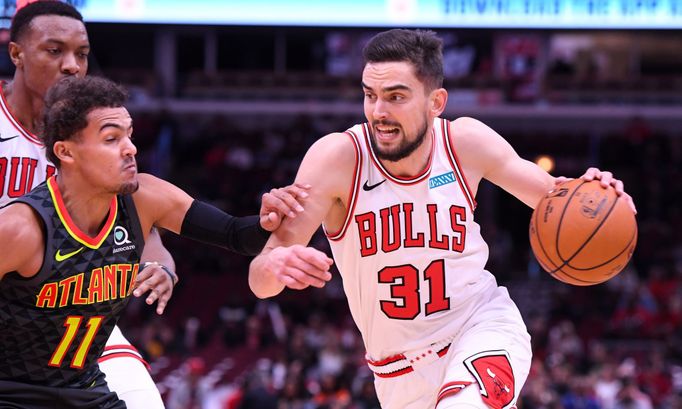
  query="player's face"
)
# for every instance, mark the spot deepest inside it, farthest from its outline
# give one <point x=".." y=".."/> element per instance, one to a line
<point x="104" y="152"/>
<point x="397" y="107"/>
<point x="52" y="47"/>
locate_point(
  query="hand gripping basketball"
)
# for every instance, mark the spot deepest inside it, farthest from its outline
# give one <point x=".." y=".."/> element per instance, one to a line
<point x="583" y="233"/>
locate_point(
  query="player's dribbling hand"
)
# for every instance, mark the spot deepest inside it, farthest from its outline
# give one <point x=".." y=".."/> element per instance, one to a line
<point x="281" y="202"/>
<point x="155" y="279"/>
<point x="606" y="179"/>
<point x="299" y="267"/>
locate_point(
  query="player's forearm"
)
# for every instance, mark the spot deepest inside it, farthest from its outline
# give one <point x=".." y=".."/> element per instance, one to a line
<point x="211" y="225"/>
<point x="155" y="252"/>
<point x="262" y="281"/>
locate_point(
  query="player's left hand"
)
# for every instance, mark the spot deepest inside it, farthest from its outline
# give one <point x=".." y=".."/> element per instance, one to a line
<point x="606" y="179"/>
<point x="155" y="280"/>
<point x="282" y="202"/>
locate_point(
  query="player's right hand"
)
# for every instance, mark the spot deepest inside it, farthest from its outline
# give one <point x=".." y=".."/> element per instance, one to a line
<point x="299" y="267"/>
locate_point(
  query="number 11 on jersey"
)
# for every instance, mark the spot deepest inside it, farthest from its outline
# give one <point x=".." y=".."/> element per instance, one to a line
<point x="72" y="325"/>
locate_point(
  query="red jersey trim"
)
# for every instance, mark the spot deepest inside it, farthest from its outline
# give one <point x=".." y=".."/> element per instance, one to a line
<point x="19" y="127"/>
<point x="353" y="194"/>
<point x="396" y="179"/>
<point x="74" y="231"/>
<point x="120" y="346"/>
<point x="122" y="351"/>
<point x="387" y="360"/>
<point x="451" y="388"/>
<point x="126" y="354"/>
<point x="394" y="374"/>
<point x="454" y="162"/>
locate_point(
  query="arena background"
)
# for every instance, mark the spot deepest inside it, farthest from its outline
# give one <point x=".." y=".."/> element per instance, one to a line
<point x="227" y="97"/>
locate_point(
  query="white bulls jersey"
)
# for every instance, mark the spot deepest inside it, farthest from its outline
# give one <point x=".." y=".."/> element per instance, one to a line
<point x="23" y="165"/>
<point x="410" y="254"/>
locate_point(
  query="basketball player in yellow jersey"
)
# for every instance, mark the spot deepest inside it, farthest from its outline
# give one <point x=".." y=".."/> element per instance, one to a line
<point x="397" y="207"/>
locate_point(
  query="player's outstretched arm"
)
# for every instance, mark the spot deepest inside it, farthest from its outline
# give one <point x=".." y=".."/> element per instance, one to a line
<point x="21" y="241"/>
<point x="285" y="261"/>
<point x="163" y="204"/>
<point x="158" y="276"/>
<point x="486" y="155"/>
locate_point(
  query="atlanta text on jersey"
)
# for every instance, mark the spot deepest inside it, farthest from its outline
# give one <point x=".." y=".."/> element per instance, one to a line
<point x="108" y="283"/>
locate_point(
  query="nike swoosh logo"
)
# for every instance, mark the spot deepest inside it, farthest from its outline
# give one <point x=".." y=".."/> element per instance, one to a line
<point x="8" y="139"/>
<point x="61" y="257"/>
<point x="367" y="187"/>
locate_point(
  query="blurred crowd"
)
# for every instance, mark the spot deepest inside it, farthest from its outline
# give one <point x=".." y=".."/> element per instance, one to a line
<point x="612" y="346"/>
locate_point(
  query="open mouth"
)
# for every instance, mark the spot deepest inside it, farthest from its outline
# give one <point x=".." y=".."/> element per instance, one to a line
<point x="386" y="132"/>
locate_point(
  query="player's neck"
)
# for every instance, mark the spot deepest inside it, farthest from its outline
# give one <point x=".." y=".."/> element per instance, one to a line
<point x="416" y="163"/>
<point x="88" y="207"/>
<point x="25" y="107"/>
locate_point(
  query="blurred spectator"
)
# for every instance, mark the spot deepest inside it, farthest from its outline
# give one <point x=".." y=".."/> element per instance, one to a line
<point x="189" y="392"/>
<point x="631" y="397"/>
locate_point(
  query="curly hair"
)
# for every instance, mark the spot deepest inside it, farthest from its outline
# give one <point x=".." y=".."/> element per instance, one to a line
<point x="68" y="103"/>
<point x="422" y="48"/>
<point x="24" y="16"/>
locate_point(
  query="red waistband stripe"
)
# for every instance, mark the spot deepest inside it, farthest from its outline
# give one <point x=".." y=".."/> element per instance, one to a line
<point x="396" y="365"/>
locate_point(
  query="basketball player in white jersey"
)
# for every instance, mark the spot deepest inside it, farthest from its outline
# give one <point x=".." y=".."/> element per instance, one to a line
<point x="48" y="42"/>
<point x="397" y="207"/>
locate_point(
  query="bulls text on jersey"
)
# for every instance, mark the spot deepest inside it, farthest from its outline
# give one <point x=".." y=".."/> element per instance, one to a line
<point x="17" y="175"/>
<point x="395" y="219"/>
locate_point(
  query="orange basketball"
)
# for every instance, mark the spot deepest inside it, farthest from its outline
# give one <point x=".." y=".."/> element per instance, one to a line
<point x="582" y="233"/>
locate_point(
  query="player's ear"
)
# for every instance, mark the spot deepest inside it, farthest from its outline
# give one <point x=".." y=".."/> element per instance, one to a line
<point x="62" y="150"/>
<point x="16" y="54"/>
<point x="437" y="101"/>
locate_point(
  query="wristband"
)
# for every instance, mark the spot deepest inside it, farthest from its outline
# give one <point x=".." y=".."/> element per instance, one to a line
<point x="172" y="275"/>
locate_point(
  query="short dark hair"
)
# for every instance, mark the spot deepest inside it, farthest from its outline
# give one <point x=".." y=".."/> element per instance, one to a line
<point x="22" y="19"/>
<point x="68" y="103"/>
<point x="422" y="48"/>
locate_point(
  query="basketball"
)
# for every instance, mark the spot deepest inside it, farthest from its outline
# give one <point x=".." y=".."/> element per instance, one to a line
<point x="583" y="234"/>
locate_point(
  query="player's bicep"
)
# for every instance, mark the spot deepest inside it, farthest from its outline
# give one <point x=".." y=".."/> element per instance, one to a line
<point x="484" y="152"/>
<point x="328" y="168"/>
<point x="161" y="204"/>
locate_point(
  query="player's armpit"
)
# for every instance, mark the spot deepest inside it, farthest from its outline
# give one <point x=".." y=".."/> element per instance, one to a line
<point x="21" y="240"/>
